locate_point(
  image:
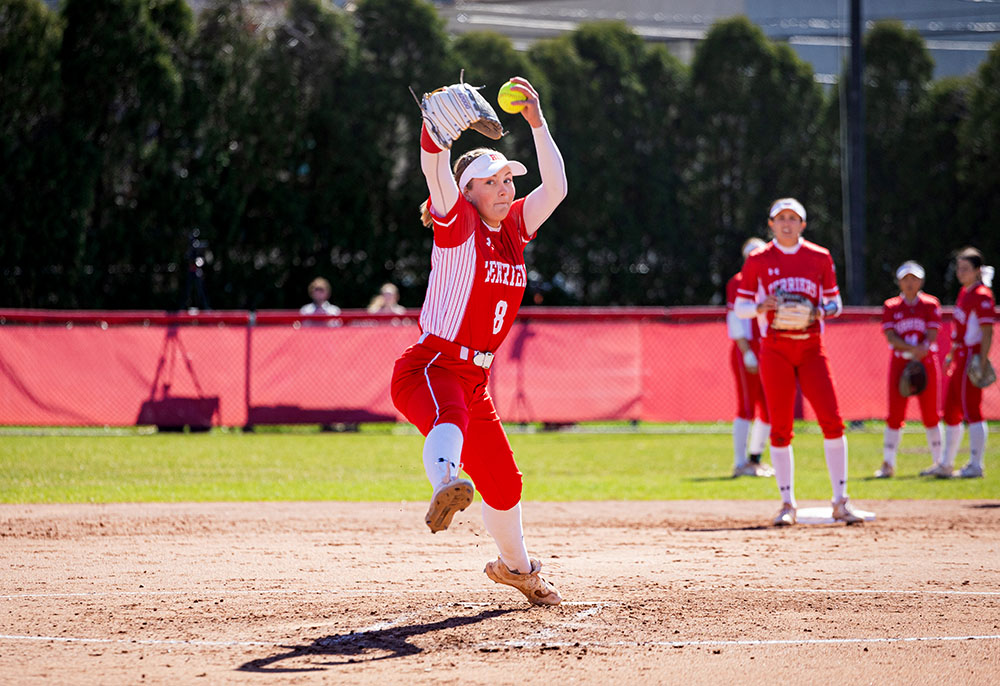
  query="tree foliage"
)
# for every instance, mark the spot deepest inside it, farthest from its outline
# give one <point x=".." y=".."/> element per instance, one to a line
<point x="288" y="146"/>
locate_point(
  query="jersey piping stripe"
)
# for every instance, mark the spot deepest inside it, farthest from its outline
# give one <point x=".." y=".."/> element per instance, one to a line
<point x="437" y="408"/>
<point x="453" y="271"/>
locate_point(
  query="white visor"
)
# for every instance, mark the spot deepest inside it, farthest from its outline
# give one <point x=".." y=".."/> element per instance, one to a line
<point x="488" y="164"/>
<point x="909" y="267"/>
<point x="787" y="204"/>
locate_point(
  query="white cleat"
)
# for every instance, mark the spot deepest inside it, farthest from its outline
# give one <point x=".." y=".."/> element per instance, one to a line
<point x="843" y="512"/>
<point x="886" y="471"/>
<point x="786" y="516"/>
<point x="449" y="498"/>
<point x="939" y="470"/>
<point x="969" y="471"/>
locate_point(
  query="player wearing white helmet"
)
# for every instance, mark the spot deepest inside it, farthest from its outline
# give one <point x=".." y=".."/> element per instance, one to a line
<point x="476" y="284"/>
<point x="751" y="426"/>
<point x="791" y="286"/>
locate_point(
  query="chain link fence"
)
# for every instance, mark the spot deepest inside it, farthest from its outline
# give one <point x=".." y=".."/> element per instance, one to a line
<point x="245" y="369"/>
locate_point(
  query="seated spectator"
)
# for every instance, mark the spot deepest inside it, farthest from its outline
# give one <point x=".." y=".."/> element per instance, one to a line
<point x="319" y="291"/>
<point x="387" y="301"/>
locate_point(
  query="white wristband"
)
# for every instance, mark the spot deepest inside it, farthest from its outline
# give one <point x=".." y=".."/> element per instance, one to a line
<point x="749" y="359"/>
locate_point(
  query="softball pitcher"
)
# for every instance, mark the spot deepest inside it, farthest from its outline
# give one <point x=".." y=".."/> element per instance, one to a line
<point x="477" y="281"/>
<point x="911" y="321"/>
<point x="969" y="369"/>
<point x="790" y="285"/>
<point x="751" y="425"/>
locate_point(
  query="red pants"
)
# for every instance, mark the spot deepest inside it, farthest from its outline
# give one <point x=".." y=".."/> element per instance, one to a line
<point x="962" y="400"/>
<point x="928" y="398"/>
<point x="749" y="392"/>
<point x="429" y="388"/>
<point x="782" y="361"/>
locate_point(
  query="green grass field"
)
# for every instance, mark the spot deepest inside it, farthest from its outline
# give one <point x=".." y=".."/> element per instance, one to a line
<point x="382" y="466"/>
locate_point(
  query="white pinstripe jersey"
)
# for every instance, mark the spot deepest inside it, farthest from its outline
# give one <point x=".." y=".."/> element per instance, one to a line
<point x="477" y="277"/>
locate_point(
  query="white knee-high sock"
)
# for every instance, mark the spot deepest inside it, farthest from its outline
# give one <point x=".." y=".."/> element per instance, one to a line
<point x="934" y="442"/>
<point x="835" y="450"/>
<point x="505" y="528"/>
<point x="758" y="437"/>
<point x="977" y="442"/>
<point x="890" y="444"/>
<point x="952" y="441"/>
<point x="783" y="461"/>
<point x="442" y="452"/>
<point x="741" y="429"/>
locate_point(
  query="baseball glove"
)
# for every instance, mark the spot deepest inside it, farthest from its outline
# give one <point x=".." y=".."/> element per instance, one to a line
<point x="980" y="372"/>
<point x="450" y="110"/>
<point x="794" y="312"/>
<point x="913" y="379"/>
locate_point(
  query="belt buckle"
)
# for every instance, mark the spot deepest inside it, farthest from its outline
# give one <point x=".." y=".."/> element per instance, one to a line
<point x="483" y="360"/>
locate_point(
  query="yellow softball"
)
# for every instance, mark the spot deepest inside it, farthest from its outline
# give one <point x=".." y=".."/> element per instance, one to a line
<point x="509" y="98"/>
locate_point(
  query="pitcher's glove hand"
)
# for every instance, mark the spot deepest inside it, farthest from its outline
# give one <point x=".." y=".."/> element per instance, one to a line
<point x="450" y="110"/>
<point x="794" y="313"/>
<point x="913" y="380"/>
<point x="980" y="371"/>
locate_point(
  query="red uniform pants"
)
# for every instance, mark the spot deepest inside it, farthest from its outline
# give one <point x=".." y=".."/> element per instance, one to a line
<point x="782" y="361"/>
<point x="429" y="388"/>
<point x="749" y="391"/>
<point x="962" y="400"/>
<point x="928" y="398"/>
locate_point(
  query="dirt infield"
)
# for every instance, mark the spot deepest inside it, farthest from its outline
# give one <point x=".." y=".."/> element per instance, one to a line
<point x="656" y="592"/>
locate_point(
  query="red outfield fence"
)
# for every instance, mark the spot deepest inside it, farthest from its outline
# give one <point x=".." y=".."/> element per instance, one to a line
<point x="80" y="368"/>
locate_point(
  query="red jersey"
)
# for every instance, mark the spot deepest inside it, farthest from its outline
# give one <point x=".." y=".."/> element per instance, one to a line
<point x="973" y="307"/>
<point x="911" y="321"/>
<point x="808" y="272"/>
<point x="732" y="288"/>
<point x="477" y="276"/>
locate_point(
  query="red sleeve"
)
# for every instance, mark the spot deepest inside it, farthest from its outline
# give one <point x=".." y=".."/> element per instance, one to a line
<point x="934" y="314"/>
<point x="887" y="315"/>
<point x="455" y="227"/>
<point x="830" y="288"/>
<point x="731" y="288"/>
<point x="984" y="306"/>
<point x="749" y="278"/>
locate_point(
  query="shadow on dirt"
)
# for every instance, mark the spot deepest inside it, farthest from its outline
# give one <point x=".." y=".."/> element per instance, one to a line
<point x="364" y="646"/>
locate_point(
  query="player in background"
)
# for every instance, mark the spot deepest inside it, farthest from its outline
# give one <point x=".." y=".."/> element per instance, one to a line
<point x="791" y="286"/>
<point x="751" y="420"/>
<point x="476" y="284"/>
<point x="971" y="336"/>
<point x="911" y="321"/>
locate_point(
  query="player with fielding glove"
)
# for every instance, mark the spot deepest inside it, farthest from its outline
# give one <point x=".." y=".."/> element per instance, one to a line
<point x="911" y="321"/>
<point x="476" y="285"/>
<point x="751" y="426"/>
<point x="790" y="286"/>
<point x="969" y="370"/>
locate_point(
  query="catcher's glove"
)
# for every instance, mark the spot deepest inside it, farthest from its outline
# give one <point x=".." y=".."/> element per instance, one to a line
<point x="980" y="371"/>
<point x="450" y="110"/>
<point x="913" y="379"/>
<point x="794" y="312"/>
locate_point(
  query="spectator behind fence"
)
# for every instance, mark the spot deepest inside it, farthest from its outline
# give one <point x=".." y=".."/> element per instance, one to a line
<point x="751" y="411"/>
<point x="387" y="301"/>
<point x="319" y="291"/>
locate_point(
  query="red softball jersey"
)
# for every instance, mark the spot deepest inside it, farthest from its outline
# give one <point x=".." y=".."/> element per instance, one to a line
<point x="477" y="276"/>
<point x="973" y="307"/>
<point x="911" y="321"/>
<point x="807" y="272"/>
